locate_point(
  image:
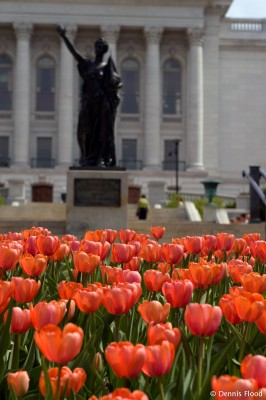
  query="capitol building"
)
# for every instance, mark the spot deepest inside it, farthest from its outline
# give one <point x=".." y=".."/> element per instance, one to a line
<point x="192" y="104"/>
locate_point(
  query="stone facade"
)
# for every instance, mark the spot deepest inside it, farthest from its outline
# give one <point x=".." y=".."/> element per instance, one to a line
<point x="219" y="121"/>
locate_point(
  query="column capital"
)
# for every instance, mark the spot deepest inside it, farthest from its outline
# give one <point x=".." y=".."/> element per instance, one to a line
<point x="153" y="34"/>
<point x="110" y="33"/>
<point x="196" y="36"/>
<point x="23" y="30"/>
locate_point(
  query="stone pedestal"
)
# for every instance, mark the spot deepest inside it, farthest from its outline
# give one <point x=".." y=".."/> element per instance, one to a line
<point x="96" y="199"/>
<point x="16" y="191"/>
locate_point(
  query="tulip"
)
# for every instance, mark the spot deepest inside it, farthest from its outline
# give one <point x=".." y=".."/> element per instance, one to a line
<point x="239" y="246"/>
<point x="24" y="289"/>
<point x="203" y="319"/>
<point x="125" y="359"/>
<point x="258" y="250"/>
<point x="67" y="289"/>
<point x="254" y="367"/>
<point x="44" y="313"/>
<point x="164" y="267"/>
<point x="151" y="252"/>
<point x="57" y="345"/>
<point x="111" y="235"/>
<point x="261" y="322"/>
<point x="181" y="273"/>
<point x="154" y="280"/>
<point x="20" y="321"/>
<point x="5" y="294"/>
<point x="249" y="306"/>
<point x="84" y="262"/>
<point x="131" y="276"/>
<point x="243" y="388"/>
<point x="228" y="308"/>
<point x="47" y="244"/>
<point x="251" y="237"/>
<point x="204" y="274"/>
<point x="193" y="244"/>
<point x="126" y="235"/>
<point x="209" y="244"/>
<point x="154" y="311"/>
<point x="122" y="394"/>
<point x="159" y="359"/>
<point x="254" y="282"/>
<point x="8" y="257"/>
<point x="33" y="265"/>
<point x="61" y="253"/>
<point x="97" y="248"/>
<point x="225" y="241"/>
<point x="68" y="380"/>
<point x="122" y="253"/>
<point x="236" y="268"/>
<point x="157" y="333"/>
<point x="111" y="274"/>
<point x="133" y="264"/>
<point x="157" y="231"/>
<point x="178" y="292"/>
<point x="172" y="253"/>
<point x="31" y="246"/>
<point x="87" y="300"/>
<point x="96" y="236"/>
<point x="118" y="300"/>
<point x="77" y="379"/>
<point x="19" y="381"/>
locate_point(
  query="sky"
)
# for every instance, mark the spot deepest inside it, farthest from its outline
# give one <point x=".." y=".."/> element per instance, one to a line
<point x="247" y="9"/>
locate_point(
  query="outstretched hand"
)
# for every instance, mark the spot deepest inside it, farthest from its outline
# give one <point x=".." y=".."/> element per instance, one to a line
<point x="61" y="30"/>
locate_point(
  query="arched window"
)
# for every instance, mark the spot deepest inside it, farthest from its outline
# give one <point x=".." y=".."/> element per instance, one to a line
<point x="45" y="88"/>
<point x="6" y="74"/>
<point x="172" y="88"/>
<point x="130" y="79"/>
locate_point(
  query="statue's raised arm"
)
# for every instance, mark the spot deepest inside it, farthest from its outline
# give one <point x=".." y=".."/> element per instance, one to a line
<point x="62" y="32"/>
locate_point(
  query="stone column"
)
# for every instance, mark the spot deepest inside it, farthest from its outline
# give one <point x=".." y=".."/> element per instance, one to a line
<point x="151" y="156"/>
<point x="195" y="101"/>
<point x="65" y="111"/>
<point x="111" y="33"/>
<point x="22" y="94"/>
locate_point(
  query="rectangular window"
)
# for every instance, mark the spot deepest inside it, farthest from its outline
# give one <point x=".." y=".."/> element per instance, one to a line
<point x="44" y="153"/>
<point x="4" y="151"/>
<point x="169" y="155"/>
<point x="129" y="153"/>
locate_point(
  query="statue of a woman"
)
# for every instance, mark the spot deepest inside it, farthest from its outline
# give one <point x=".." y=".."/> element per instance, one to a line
<point x="99" y="102"/>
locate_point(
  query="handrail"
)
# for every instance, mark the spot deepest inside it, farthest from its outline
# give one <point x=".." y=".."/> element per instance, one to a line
<point x="255" y="186"/>
<point x="263" y="173"/>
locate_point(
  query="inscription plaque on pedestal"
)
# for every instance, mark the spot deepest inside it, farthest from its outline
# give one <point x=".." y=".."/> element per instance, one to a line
<point x="89" y="192"/>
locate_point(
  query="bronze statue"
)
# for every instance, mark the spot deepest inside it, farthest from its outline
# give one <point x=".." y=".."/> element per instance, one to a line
<point x="99" y="102"/>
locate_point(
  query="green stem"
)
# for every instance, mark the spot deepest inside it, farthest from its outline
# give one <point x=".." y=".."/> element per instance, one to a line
<point x="161" y="389"/>
<point x="200" y="360"/>
<point x="15" y="355"/>
<point x="57" y="396"/>
<point x="117" y="321"/>
<point x="243" y="343"/>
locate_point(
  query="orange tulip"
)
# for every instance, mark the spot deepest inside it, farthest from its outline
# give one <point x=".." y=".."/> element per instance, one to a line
<point x="84" y="262"/>
<point x="122" y="253"/>
<point x="5" y="294"/>
<point x="164" y="267"/>
<point x="154" y="280"/>
<point x="159" y="359"/>
<point x="181" y="273"/>
<point x="111" y="274"/>
<point x="61" y="253"/>
<point x="111" y="235"/>
<point x="47" y="244"/>
<point x="258" y="250"/>
<point x="97" y="248"/>
<point x="96" y="236"/>
<point x="225" y="241"/>
<point x="203" y="319"/>
<point x="122" y="394"/>
<point x="35" y="231"/>
<point x="172" y="253"/>
<point x="261" y="322"/>
<point x="157" y="231"/>
<point x="125" y="359"/>
<point x="133" y="264"/>
<point x="8" y="257"/>
<point x="68" y="238"/>
<point x="131" y="276"/>
<point x="254" y="282"/>
<point x="254" y="367"/>
<point x="157" y="333"/>
<point x="236" y="268"/>
<point x="178" y="292"/>
<point x="209" y="244"/>
<point x="118" y="299"/>
<point x="24" y="289"/>
<point x="68" y="380"/>
<point x="151" y="252"/>
<point x="33" y="265"/>
<point x="57" y="345"/>
<point x="251" y="237"/>
<point x="228" y="308"/>
<point x="44" y="313"/>
<point x="249" y="306"/>
<point x="204" y="274"/>
<point x="239" y="246"/>
<point x="88" y="300"/>
<point x="126" y="235"/>
<point x="19" y="381"/>
<point x="154" y="311"/>
<point x="20" y="321"/>
<point x="193" y="244"/>
<point x="243" y="388"/>
<point x="67" y="289"/>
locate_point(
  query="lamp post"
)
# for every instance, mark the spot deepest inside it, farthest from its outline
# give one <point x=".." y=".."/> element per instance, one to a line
<point x="176" y="165"/>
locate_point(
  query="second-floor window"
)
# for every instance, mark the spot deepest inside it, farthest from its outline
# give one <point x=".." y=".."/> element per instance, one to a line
<point x="131" y="81"/>
<point x="172" y="88"/>
<point x="45" y="88"/>
<point x="6" y="72"/>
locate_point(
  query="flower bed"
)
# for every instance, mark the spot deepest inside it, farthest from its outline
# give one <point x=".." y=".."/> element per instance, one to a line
<point x="122" y="315"/>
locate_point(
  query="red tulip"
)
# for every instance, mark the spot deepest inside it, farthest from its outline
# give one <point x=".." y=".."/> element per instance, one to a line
<point x="84" y="262"/>
<point x="99" y="235"/>
<point x="33" y="265"/>
<point x="122" y="253"/>
<point x="133" y="264"/>
<point x="172" y="253"/>
<point x="157" y="333"/>
<point x="157" y="231"/>
<point x="239" y="246"/>
<point x="68" y="380"/>
<point x="125" y="359"/>
<point x="20" y="321"/>
<point x="154" y="311"/>
<point x="258" y="250"/>
<point x="249" y="306"/>
<point x="178" y="292"/>
<point x="193" y="244"/>
<point x="254" y="367"/>
<point x="57" y="345"/>
<point x="24" y="289"/>
<point x="8" y="257"/>
<point x="154" y="280"/>
<point x="111" y="235"/>
<point x="122" y="394"/>
<point x="67" y="289"/>
<point x="19" y="381"/>
<point x="111" y="274"/>
<point x="251" y="237"/>
<point x="47" y="244"/>
<point x="61" y="253"/>
<point x="254" y="282"/>
<point x="228" y="308"/>
<point x="151" y="252"/>
<point x="203" y="319"/>
<point x="126" y="235"/>
<point x="225" y="241"/>
<point x="261" y="322"/>
<point x="87" y="300"/>
<point x="44" y="313"/>
<point x="119" y="299"/>
<point x="236" y="268"/>
<point x="159" y="359"/>
<point x="31" y="246"/>
<point x="209" y="244"/>
<point x="5" y="294"/>
<point x="240" y="388"/>
<point x="204" y="274"/>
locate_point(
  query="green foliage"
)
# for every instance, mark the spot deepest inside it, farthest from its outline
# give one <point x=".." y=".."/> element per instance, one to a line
<point x="174" y="201"/>
<point x="2" y="201"/>
<point x="200" y="203"/>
